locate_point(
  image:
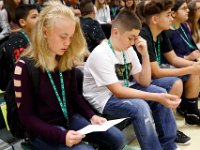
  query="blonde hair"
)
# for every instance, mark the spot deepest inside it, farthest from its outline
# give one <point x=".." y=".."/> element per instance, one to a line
<point x="39" y="51"/>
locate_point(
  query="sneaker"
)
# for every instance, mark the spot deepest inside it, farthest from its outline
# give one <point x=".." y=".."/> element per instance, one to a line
<point x="182" y="139"/>
<point x="181" y="111"/>
<point x="192" y="119"/>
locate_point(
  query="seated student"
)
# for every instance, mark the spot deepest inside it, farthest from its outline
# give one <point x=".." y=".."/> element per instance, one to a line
<point x="172" y="84"/>
<point x="193" y="20"/>
<point x="107" y="88"/>
<point x="102" y="12"/>
<point x="92" y="30"/>
<point x="26" y="17"/>
<point x="159" y="46"/>
<point x="53" y="117"/>
<point x="115" y="7"/>
<point x="180" y="35"/>
<point x="4" y="26"/>
<point x="17" y="42"/>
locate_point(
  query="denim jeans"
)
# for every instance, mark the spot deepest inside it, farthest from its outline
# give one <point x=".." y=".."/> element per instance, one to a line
<point x="160" y="137"/>
<point x="165" y="82"/>
<point x="112" y="139"/>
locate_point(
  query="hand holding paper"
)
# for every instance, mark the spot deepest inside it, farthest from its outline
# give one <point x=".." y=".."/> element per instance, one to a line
<point x="103" y="127"/>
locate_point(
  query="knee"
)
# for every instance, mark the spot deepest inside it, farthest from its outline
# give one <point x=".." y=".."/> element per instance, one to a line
<point x="117" y="139"/>
<point x="177" y="88"/>
<point x="139" y="109"/>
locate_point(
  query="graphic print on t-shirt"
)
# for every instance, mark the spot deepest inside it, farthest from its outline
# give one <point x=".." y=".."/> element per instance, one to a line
<point x="120" y="70"/>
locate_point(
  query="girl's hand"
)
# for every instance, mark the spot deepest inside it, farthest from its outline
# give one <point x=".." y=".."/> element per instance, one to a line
<point x="73" y="138"/>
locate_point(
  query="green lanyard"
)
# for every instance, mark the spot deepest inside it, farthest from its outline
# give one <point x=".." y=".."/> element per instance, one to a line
<point x="157" y="51"/>
<point x="186" y="39"/>
<point x="26" y="36"/>
<point x="62" y="103"/>
<point x="126" y="82"/>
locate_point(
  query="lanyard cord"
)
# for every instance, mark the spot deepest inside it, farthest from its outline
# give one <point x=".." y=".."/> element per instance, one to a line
<point x="26" y="36"/>
<point x="126" y="82"/>
<point x="185" y="39"/>
<point x="157" y="51"/>
<point x="63" y="101"/>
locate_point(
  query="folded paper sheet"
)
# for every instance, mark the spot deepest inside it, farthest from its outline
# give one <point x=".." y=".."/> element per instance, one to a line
<point x="103" y="127"/>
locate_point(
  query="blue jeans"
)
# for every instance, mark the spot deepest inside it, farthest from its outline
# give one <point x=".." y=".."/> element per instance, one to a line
<point x="141" y="112"/>
<point x="165" y="82"/>
<point x="112" y="139"/>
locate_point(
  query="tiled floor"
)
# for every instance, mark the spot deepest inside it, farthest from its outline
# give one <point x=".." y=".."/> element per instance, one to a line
<point x="190" y="130"/>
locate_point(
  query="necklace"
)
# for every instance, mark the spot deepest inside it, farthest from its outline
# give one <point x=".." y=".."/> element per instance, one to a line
<point x="126" y="82"/>
<point x="63" y="101"/>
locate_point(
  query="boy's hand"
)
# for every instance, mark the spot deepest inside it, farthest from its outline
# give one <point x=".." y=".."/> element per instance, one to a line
<point x="97" y="120"/>
<point x="73" y="138"/>
<point x="196" y="68"/>
<point x="193" y="55"/>
<point x="168" y="100"/>
<point x="141" y="45"/>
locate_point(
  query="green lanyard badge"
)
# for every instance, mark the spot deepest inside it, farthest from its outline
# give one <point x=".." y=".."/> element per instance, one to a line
<point x="63" y="101"/>
<point x="126" y="82"/>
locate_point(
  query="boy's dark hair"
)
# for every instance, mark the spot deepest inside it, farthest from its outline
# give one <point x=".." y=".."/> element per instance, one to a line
<point x="86" y="7"/>
<point x="146" y="9"/>
<point x="127" y="20"/>
<point x="22" y="11"/>
<point x="177" y="4"/>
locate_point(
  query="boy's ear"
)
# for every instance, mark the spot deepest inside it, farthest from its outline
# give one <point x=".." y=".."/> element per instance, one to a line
<point x="115" y="31"/>
<point x="173" y="14"/>
<point x="22" y="22"/>
<point x="154" y="19"/>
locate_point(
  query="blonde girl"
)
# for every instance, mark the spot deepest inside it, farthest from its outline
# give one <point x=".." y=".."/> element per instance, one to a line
<point x="53" y="117"/>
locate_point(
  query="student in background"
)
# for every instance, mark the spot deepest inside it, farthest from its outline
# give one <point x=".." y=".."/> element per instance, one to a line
<point x="180" y="35"/>
<point x="115" y="7"/>
<point x="53" y="117"/>
<point x="107" y="88"/>
<point x="130" y="5"/>
<point x="103" y="12"/>
<point x="92" y="30"/>
<point x="193" y="20"/>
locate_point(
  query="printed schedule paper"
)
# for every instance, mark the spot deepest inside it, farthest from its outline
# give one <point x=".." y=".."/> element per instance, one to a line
<point x="103" y="127"/>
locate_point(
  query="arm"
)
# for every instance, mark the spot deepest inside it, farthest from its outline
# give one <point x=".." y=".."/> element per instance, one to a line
<point x="176" y="61"/>
<point x="144" y="77"/>
<point x="4" y="25"/>
<point x="25" y="102"/>
<point x="167" y="100"/>
<point x="158" y="72"/>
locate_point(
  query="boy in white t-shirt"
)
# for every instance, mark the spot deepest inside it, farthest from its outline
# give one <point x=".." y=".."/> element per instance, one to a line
<point x="108" y="89"/>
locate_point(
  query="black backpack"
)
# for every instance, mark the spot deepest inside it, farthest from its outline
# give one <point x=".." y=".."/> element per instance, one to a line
<point x="6" y="66"/>
<point x="7" y="58"/>
<point x="15" y="125"/>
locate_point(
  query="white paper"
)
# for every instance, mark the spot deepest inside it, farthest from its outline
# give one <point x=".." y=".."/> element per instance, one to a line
<point x="103" y="127"/>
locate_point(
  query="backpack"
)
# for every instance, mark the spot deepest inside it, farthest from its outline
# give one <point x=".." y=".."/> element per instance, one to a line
<point x="15" y="125"/>
<point x="7" y="58"/>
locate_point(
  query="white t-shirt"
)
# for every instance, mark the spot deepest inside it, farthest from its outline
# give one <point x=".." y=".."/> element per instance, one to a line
<point x="103" y="15"/>
<point x="100" y="70"/>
